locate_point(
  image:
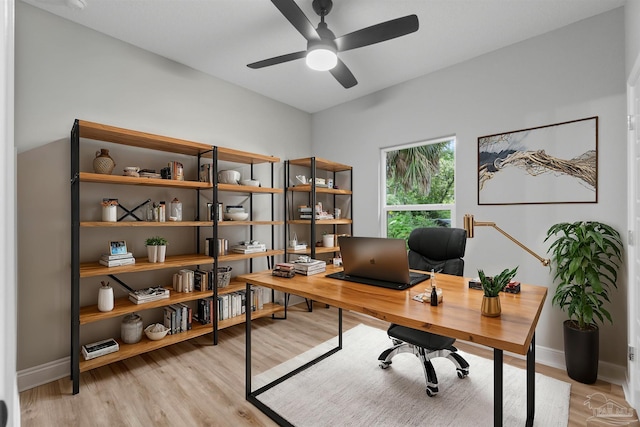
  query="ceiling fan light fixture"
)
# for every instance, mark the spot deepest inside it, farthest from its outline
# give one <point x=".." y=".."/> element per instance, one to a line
<point x="322" y="58"/>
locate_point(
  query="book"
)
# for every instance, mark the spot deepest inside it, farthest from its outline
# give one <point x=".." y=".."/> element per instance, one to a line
<point x="108" y="257"/>
<point x="99" y="348"/>
<point x="118" y="262"/>
<point x="244" y="250"/>
<point x="149" y="294"/>
<point x="298" y="247"/>
<point x="311" y="264"/>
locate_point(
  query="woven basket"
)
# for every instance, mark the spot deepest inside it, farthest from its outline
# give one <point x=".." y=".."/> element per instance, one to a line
<point x="224" y="277"/>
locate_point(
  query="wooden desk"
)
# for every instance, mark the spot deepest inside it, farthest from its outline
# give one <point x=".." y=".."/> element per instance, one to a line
<point x="458" y="316"/>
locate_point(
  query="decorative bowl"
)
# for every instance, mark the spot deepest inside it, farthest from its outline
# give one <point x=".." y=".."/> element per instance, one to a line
<point x="250" y="182"/>
<point x="228" y="177"/>
<point x="156" y="331"/>
<point x="236" y="216"/>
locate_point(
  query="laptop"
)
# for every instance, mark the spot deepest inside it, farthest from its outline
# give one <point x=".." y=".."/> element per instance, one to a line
<point x="377" y="261"/>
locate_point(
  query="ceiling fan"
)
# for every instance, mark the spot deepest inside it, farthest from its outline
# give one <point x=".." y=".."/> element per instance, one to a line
<point x="323" y="45"/>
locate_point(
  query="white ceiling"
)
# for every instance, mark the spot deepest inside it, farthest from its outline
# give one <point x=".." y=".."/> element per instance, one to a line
<point x="219" y="37"/>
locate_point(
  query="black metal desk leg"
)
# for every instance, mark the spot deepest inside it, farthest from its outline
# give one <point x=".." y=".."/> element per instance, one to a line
<point x="531" y="382"/>
<point x="497" y="387"/>
<point x="247" y="358"/>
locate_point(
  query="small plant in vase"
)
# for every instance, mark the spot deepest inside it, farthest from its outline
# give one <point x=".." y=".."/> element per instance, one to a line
<point x="491" y="288"/>
<point x="156" y="248"/>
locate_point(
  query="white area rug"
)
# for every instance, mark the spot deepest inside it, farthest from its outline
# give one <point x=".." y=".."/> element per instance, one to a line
<point x="350" y="389"/>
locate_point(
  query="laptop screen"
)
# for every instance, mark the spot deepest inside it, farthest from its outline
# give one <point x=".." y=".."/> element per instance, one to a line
<point x="375" y="258"/>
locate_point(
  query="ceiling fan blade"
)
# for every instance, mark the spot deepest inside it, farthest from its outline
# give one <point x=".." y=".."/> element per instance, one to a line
<point x="278" y="59"/>
<point x="298" y="19"/>
<point x="343" y="75"/>
<point x="378" y="33"/>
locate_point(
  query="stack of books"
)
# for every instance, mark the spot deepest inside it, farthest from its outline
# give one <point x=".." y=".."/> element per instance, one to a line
<point x="117" y="260"/>
<point x="284" y="269"/>
<point x="309" y="266"/>
<point x="184" y="280"/>
<point x="100" y="348"/>
<point x="149" y="294"/>
<point x="249" y="248"/>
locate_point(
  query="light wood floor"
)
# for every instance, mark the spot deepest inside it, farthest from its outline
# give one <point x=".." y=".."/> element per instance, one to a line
<point x="197" y="384"/>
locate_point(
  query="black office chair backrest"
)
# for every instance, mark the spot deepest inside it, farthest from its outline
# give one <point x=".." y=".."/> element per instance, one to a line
<point x="439" y="249"/>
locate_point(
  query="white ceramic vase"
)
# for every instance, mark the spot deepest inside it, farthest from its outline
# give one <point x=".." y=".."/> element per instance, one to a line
<point x="162" y="251"/>
<point x="105" y="297"/>
<point x="327" y="240"/>
<point x="152" y="253"/>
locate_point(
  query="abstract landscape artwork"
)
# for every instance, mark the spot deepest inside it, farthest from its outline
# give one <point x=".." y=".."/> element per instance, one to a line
<point x="556" y="163"/>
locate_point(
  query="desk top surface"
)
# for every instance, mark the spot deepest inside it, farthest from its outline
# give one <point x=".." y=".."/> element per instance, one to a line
<point x="458" y="316"/>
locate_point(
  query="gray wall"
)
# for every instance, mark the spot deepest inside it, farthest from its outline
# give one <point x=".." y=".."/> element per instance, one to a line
<point x="575" y="72"/>
<point x="65" y="71"/>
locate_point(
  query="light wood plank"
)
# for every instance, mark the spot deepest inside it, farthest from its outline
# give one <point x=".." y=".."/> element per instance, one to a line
<point x="133" y="138"/>
<point x="322" y="164"/>
<point x="307" y="189"/>
<point x="197" y="370"/>
<point x="147" y="182"/>
<point x="92" y="269"/>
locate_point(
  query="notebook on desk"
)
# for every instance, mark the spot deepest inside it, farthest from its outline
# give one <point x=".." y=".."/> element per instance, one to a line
<point x="376" y="261"/>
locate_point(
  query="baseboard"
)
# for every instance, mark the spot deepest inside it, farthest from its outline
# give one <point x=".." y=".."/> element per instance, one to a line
<point x="43" y="374"/>
<point x="614" y="374"/>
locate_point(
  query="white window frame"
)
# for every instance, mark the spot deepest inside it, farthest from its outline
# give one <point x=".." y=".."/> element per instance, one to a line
<point x="384" y="208"/>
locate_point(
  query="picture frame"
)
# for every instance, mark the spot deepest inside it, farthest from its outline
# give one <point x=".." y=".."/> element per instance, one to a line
<point x="117" y="247"/>
<point x="556" y="163"/>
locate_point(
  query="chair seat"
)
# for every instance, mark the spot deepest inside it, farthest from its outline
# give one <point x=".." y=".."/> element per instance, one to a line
<point x="420" y="338"/>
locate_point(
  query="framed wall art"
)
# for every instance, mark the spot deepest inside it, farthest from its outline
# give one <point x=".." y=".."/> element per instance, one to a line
<point x="555" y="163"/>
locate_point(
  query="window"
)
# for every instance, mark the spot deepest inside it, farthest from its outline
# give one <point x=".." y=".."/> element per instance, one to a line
<point x="419" y="186"/>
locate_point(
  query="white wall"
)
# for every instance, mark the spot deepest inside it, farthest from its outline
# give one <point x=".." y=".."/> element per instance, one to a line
<point x="65" y="71"/>
<point x="632" y="33"/>
<point x="572" y="73"/>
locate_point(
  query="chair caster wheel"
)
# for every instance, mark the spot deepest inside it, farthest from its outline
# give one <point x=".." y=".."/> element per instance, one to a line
<point x="462" y="374"/>
<point x="385" y="365"/>
<point x="432" y="391"/>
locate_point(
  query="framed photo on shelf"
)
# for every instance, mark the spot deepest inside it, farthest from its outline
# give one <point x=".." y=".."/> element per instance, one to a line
<point x="556" y="163"/>
<point x="117" y="247"/>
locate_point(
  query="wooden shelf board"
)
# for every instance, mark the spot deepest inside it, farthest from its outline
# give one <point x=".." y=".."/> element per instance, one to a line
<point x="122" y="306"/>
<point x="268" y="310"/>
<point x="148" y="182"/>
<point x="307" y="189"/>
<point x="237" y="156"/>
<point x="146" y="345"/>
<point x="92" y="269"/>
<point x="145" y="140"/>
<point x="248" y="189"/>
<point x="236" y="257"/>
<point x="147" y="224"/>
<point x="341" y="221"/>
<point x="235" y="223"/>
<point x="323" y="164"/>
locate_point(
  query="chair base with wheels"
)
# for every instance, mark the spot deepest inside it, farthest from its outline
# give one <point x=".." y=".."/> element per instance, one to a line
<point x="425" y="346"/>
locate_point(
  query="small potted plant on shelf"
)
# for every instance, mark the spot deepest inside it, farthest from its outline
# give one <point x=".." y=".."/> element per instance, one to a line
<point x="491" y="288"/>
<point x="156" y="248"/>
<point x="586" y="256"/>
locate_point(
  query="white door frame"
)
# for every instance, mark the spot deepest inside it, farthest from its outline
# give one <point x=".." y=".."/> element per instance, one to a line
<point x="632" y="387"/>
<point x="8" y="246"/>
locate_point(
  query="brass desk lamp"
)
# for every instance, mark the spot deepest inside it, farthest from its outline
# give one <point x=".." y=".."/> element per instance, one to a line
<point x="470" y="223"/>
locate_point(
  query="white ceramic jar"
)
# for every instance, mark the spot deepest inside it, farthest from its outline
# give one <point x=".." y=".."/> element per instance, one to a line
<point x="105" y="297"/>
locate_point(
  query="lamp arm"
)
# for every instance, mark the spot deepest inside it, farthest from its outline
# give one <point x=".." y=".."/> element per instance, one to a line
<point x="545" y="261"/>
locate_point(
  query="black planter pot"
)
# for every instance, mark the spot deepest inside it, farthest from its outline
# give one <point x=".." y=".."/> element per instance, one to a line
<point x="581" y="352"/>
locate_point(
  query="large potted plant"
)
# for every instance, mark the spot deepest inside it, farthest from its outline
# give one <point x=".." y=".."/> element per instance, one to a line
<point x="586" y="256"/>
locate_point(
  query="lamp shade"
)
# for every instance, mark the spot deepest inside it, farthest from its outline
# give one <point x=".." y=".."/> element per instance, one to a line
<point x="321" y="58"/>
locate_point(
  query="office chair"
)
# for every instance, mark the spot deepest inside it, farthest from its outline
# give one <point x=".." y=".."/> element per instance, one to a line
<point x="440" y="249"/>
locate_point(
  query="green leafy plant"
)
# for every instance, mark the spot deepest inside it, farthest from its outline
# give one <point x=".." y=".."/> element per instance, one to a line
<point x="156" y="241"/>
<point x="492" y="286"/>
<point x="586" y="256"/>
